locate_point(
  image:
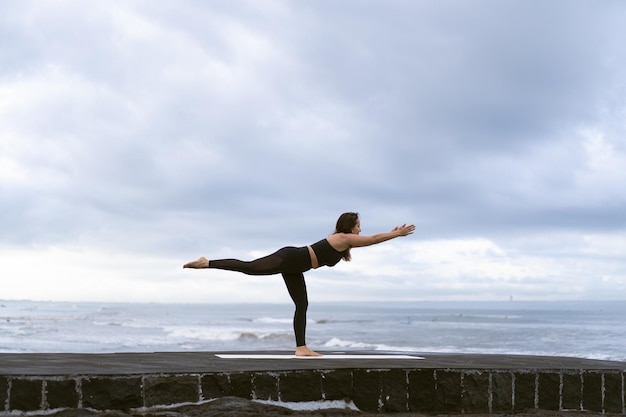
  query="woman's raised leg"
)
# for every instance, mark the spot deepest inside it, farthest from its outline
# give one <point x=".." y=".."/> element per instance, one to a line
<point x="267" y="265"/>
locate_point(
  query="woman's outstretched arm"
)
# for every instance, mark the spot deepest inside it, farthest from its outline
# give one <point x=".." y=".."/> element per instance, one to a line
<point x="343" y="241"/>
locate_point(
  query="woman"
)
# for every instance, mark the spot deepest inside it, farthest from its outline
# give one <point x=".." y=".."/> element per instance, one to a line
<point x="292" y="262"/>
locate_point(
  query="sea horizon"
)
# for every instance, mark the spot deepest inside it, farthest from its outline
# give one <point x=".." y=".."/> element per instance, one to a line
<point x="586" y="329"/>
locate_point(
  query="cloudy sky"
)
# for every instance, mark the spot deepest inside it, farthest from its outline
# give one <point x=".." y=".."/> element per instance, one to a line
<point x="138" y="135"/>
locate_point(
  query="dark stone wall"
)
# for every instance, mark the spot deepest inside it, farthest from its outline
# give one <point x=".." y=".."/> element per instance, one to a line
<point x="571" y="396"/>
<point x="475" y="397"/>
<point x="117" y="393"/>
<point x="174" y="389"/>
<point x="501" y="391"/>
<point x="613" y="390"/>
<point x="26" y="394"/>
<point x="61" y="393"/>
<point x="372" y="390"/>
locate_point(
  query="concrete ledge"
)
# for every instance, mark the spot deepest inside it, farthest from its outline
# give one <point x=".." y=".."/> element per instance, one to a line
<point x="438" y="384"/>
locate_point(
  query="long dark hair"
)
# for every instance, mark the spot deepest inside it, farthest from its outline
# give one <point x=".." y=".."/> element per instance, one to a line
<point x="345" y="224"/>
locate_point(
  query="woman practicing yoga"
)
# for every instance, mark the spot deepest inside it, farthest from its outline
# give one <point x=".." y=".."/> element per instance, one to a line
<point x="292" y="262"/>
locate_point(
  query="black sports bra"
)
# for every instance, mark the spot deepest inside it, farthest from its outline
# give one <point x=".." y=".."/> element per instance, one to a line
<point x="326" y="254"/>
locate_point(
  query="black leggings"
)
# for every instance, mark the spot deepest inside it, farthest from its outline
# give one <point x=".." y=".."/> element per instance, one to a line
<point x="290" y="262"/>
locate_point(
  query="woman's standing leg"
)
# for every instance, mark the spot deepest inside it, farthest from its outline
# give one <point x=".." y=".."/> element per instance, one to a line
<point x="297" y="290"/>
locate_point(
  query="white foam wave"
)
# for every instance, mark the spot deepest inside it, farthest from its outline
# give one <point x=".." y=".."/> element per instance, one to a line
<point x="271" y="320"/>
<point x="218" y="334"/>
<point x="339" y="343"/>
<point x="202" y="333"/>
<point x="130" y="323"/>
<point x="106" y="323"/>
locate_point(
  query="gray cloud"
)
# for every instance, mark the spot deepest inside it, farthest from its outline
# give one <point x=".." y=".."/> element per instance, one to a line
<point x="162" y="128"/>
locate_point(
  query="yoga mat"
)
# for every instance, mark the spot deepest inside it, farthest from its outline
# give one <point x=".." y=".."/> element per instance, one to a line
<point x="257" y="356"/>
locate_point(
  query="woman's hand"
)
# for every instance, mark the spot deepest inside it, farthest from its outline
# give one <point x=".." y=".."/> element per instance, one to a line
<point x="404" y="230"/>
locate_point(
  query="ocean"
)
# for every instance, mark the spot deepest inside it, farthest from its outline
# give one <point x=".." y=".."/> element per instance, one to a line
<point x="594" y="330"/>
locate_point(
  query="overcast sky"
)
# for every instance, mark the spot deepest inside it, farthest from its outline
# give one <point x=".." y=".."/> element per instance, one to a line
<point x="138" y="135"/>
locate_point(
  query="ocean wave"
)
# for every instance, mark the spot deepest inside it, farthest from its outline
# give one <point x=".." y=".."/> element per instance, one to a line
<point x="271" y="320"/>
<point x="128" y="323"/>
<point x="203" y="333"/>
<point x="339" y="343"/>
<point x="219" y="334"/>
<point x="107" y="323"/>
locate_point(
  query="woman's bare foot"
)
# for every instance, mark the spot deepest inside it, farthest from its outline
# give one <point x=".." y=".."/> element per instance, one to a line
<point x="199" y="263"/>
<point x="305" y="351"/>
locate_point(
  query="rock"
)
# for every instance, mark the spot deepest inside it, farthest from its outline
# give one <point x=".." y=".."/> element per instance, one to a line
<point x="222" y="407"/>
<point x="240" y="407"/>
